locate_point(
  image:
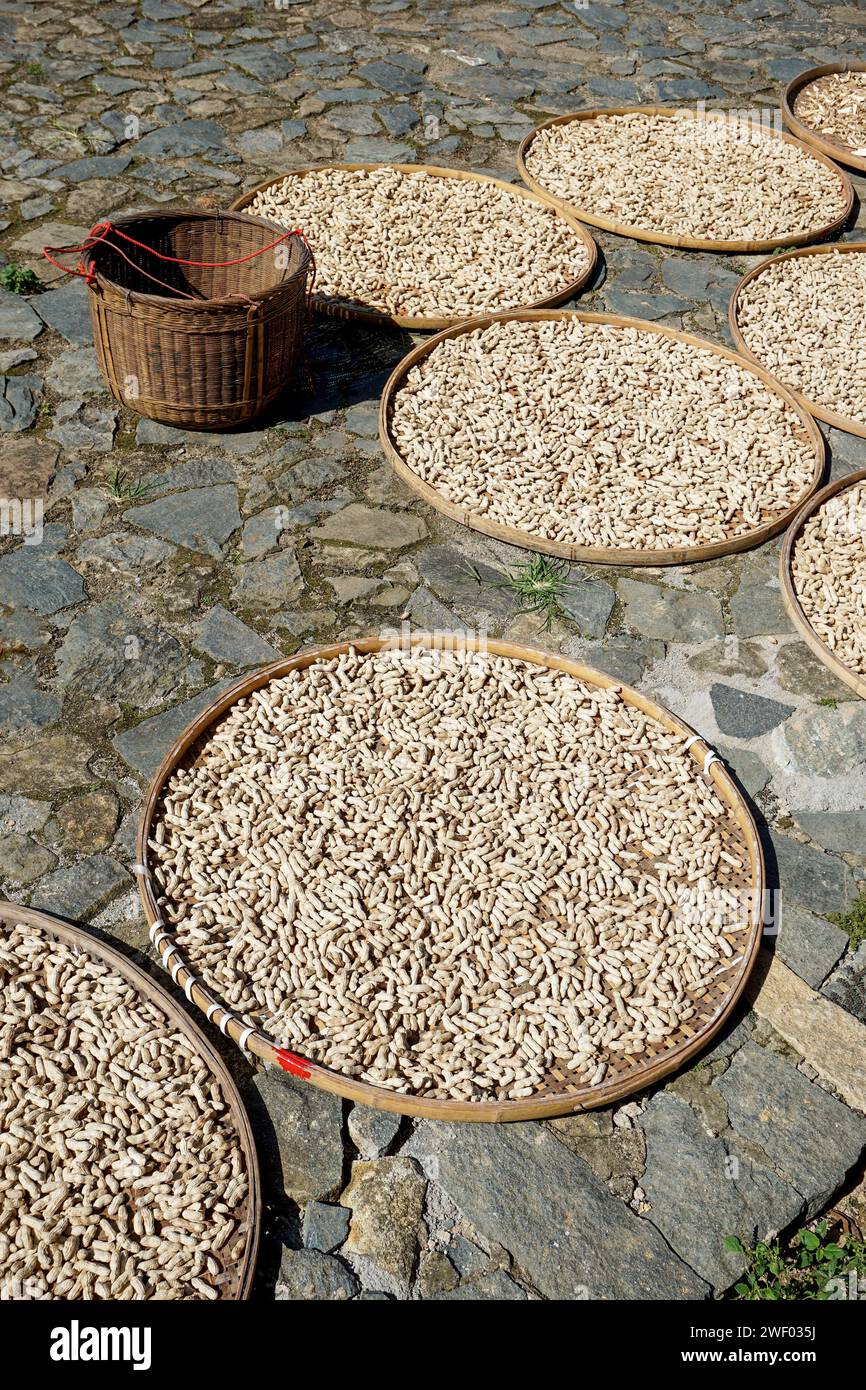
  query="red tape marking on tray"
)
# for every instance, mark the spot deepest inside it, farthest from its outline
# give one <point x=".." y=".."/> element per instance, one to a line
<point x="292" y="1063"/>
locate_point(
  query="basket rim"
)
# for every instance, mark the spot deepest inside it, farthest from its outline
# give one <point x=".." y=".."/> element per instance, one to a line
<point x="163" y="301"/>
<point x="157" y="993"/>
<point x="801" y="622"/>
<point x="559" y="1103"/>
<point x="515" y="535"/>
<point x="346" y="310"/>
<point x="741" y="246"/>
<point x="815" y="139"/>
<point x="820" y="412"/>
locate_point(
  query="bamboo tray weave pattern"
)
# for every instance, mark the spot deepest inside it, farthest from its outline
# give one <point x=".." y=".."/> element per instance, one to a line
<point x="768" y="267"/>
<point x="236" y="1278"/>
<point x="818" y="139"/>
<point x="514" y="534"/>
<point x="560" y="1093"/>
<point x="346" y="309"/>
<point x="843" y="672"/>
<point x="639" y="232"/>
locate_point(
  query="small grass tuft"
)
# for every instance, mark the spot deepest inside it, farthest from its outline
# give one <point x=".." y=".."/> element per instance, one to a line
<point x="124" y="488"/>
<point x="537" y="586"/>
<point x="852" y="922"/>
<point x="804" y="1269"/>
<point x="828" y="702"/>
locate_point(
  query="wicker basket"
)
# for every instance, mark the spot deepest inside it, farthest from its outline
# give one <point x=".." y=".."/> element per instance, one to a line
<point x="211" y="361"/>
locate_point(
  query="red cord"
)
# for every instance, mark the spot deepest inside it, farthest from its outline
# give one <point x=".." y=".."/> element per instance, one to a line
<point x="99" y="233"/>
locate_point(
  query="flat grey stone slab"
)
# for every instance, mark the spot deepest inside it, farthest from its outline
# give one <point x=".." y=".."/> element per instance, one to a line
<point x="809" y="944"/>
<point x="19" y="323"/>
<point x="223" y="636"/>
<point x="741" y="714"/>
<point x="773" y="1105"/>
<point x="670" y="614"/>
<point x="683" y="1163"/>
<point x="308" y="1125"/>
<point x="144" y="746"/>
<point x="67" y="311"/>
<point x="201" y="519"/>
<point x="43" y="583"/>
<point x="81" y="889"/>
<point x="521" y="1187"/>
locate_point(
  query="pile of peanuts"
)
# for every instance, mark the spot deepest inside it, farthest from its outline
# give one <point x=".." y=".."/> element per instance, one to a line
<point x="421" y="245"/>
<point x="828" y="568"/>
<point x="450" y="874"/>
<point x="805" y="321"/>
<point x="835" y="106"/>
<point x="687" y="175"/>
<point x="600" y="435"/>
<point x="121" y="1174"/>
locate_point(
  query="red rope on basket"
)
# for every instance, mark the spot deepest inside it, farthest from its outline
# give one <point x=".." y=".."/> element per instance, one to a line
<point x="99" y="234"/>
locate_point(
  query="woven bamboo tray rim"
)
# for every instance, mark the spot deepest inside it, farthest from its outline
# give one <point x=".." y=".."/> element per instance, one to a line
<point x="656" y="1063"/>
<point x="218" y="307"/>
<point x="693" y="243"/>
<point x="10" y="914"/>
<point x="838" y="667"/>
<point x="821" y="412"/>
<point x="527" y="540"/>
<point x="346" y="310"/>
<point x="816" y="139"/>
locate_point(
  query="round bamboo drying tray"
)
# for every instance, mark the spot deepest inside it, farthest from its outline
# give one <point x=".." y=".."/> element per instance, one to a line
<point x="789" y="594"/>
<point x="344" y="310"/>
<point x="557" y="1097"/>
<point x="821" y="412"/>
<point x="513" y="535"/>
<point x="609" y="224"/>
<point x="238" y="1286"/>
<point x="815" y="139"/>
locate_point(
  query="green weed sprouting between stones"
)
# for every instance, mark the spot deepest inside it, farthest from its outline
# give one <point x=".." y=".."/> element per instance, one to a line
<point x="537" y="586"/>
<point x="803" y="1270"/>
<point x="125" y="488"/>
<point x="828" y="702"/>
<point x="852" y="922"/>
<point x="18" y="280"/>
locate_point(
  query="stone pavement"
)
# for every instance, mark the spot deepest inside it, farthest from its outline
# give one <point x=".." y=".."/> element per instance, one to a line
<point x="171" y="562"/>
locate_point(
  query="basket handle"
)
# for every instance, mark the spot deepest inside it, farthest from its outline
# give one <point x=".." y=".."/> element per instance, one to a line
<point x="99" y="233"/>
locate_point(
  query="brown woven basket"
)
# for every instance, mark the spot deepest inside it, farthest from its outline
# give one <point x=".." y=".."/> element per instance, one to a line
<point x="237" y="1279"/>
<point x="562" y="1093"/>
<point x="213" y="361"/>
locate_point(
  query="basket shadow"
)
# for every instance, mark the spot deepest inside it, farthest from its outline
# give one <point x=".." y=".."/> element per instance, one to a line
<point x="343" y="364"/>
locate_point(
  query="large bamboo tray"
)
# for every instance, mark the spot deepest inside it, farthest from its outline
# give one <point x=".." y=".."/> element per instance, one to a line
<point x="514" y="535"/>
<point x="240" y="1277"/>
<point x="609" y="224"/>
<point x="343" y="309"/>
<point x="821" y="412"/>
<point x="558" y="1096"/>
<point x="815" y="139"/>
<point x="789" y="594"/>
